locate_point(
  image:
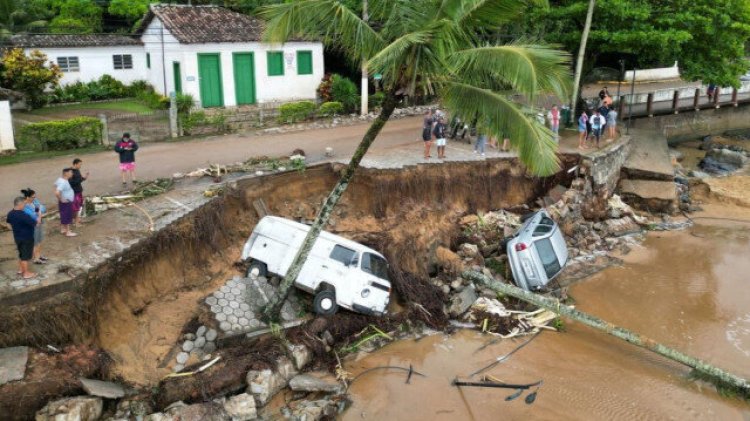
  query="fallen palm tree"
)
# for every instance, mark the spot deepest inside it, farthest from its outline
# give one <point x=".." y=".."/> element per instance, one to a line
<point x="704" y="370"/>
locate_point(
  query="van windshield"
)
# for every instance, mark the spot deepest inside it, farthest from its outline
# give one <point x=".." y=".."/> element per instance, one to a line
<point x="548" y="257"/>
<point x="375" y="265"/>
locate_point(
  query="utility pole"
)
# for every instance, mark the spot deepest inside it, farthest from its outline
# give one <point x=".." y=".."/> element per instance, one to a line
<point x="630" y="104"/>
<point x="163" y="58"/>
<point x="364" y="86"/>
<point x="622" y="76"/>
<point x="579" y="62"/>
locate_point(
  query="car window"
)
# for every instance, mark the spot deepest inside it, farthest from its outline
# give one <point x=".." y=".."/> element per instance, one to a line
<point x="375" y="265"/>
<point x="541" y="230"/>
<point x="546" y="221"/>
<point x="342" y="254"/>
<point x="548" y="257"/>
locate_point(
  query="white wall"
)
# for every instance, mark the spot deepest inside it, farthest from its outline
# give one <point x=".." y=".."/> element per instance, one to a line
<point x="94" y="62"/>
<point x="288" y="87"/>
<point x="6" y="128"/>
<point x="661" y="73"/>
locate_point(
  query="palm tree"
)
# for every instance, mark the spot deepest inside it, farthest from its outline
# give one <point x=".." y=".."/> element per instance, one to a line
<point x="432" y="47"/>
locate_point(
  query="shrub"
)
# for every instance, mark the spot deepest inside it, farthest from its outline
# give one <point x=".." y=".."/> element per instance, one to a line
<point x="329" y="109"/>
<point x="60" y="135"/>
<point x="137" y="87"/>
<point x="376" y="100"/>
<point x="296" y="111"/>
<point x="153" y="100"/>
<point x="191" y="120"/>
<point x="324" y="89"/>
<point x="29" y="75"/>
<point x="344" y="91"/>
<point x="106" y="87"/>
<point x="185" y="103"/>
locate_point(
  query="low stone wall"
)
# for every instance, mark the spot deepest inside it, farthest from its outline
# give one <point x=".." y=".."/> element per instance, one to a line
<point x="698" y="124"/>
<point x="603" y="167"/>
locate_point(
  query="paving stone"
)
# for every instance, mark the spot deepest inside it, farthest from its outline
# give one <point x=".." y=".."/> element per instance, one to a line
<point x="225" y="289"/>
<point x="201" y="331"/>
<point x="200" y="342"/>
<point x="216" y="308"/>
<point x="182" y="357"/>
<point x="236" y="327"/>
<point x="223" y="302"/>
<point x="249" y="315"/>
<point x="230" y="297"/>
<point x="188" y="346"/>
<point x="13" y="363"/>
<point x="209" y="347"/>
<point x="238" y="312"/>
<point x="232" y="318"/>
<point x="221" y="317"/>
<point x="244" y="306"/>
<point x="232" y="283"/>
<point x="254" y="323"/>
<point x="225" y="326"/>
<point x="211" y="335"/>
<point x="234" y="304"/>
<point x="236" y="291"/>
<point x="178" y="367"/>
<point x="104" y="389"/>
<point x="219" y="294"/>
<point x="227" y="310"/>
<point x="211" y="300"/>
<point x="241" y="285"/>
<point x="243" y="322"/>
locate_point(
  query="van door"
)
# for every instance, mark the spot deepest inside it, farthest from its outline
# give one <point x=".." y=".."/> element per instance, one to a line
<point x="338" y="270"/>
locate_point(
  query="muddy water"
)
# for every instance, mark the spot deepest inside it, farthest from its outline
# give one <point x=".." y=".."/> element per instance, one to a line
<point x="685" y="289"/>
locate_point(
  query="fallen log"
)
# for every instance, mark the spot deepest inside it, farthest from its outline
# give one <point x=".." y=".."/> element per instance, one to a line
<point x="711" y="373"/>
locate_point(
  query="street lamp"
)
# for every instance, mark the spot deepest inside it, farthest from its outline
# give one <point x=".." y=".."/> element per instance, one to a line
<point x="630" y="103"/>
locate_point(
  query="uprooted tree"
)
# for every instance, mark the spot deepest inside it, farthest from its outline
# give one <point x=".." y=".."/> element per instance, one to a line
<point x="423" y="47"/>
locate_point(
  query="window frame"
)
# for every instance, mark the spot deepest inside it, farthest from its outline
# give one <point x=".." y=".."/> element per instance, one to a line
<point x="550" y="265"/>
<point x="269" y="70"/>
<point x="309" y="54"/>
<point x="67" y="67"/>
<point x="124" y="58"/>
<point x="148" y="60"/>
<point x="366" y="265"/>
<point x="337" y="248"/>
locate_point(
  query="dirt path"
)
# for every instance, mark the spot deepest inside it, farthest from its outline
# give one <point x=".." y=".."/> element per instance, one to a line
<point x="164" y="159"/>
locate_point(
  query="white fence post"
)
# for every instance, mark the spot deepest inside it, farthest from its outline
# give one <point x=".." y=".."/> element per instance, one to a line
<point x="173" y="114"/>
<point x="7" y="141"/>
<point x="105" y="129"/>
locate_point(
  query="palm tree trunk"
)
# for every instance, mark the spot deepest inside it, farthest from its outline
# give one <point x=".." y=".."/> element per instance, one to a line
<point x="579" y="61"/>
<point x="716" y="374"/>
<point x="271" y="311"/>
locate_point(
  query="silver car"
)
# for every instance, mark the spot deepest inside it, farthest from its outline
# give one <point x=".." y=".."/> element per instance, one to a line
<point x="537" y="252"/>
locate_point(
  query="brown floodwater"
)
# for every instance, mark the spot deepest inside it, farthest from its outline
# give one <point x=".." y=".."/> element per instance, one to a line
<point x="686" y="289"/>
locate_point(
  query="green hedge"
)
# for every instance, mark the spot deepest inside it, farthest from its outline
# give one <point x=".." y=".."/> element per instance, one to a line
<point x="329" y="109"/>
<point x="60" y="135"/>
<point x="296" y="111"/>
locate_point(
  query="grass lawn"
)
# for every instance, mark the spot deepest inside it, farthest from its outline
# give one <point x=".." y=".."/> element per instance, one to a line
<point x="26" y="156"/>
<point x="126" y="106"/>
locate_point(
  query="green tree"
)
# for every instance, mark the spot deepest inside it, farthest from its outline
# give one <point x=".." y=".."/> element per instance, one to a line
<point x="30" y="75"/>
<point x="129" y="9"/>
<point x="76" y="16"/>
<point x="707" y="37"/>
<point x="18" y="15"/>
<point x="425" y="47"/>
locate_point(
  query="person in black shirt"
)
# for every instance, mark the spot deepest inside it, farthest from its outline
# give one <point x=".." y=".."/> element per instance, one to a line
<point x="23" y="233"/>
<point x="76" y="181"/>
<point x="439" y="132"/>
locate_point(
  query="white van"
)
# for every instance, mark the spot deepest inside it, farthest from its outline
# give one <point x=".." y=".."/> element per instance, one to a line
<point x="339" y="272"/>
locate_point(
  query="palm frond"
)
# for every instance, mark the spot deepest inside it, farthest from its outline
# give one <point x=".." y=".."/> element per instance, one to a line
<point x="327" y="20"/>
<point x="528" y="69"/>
<point x="482" y="14"/>
<point x="500" y="116"/>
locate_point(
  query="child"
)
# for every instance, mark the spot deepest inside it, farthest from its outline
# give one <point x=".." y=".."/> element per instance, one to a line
<point x="126" y="147"/>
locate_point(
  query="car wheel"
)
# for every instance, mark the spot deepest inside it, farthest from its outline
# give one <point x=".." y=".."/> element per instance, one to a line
<point x="257" y="269"/>
<point x="325" y="302"/>
<point x="525" y="217"/>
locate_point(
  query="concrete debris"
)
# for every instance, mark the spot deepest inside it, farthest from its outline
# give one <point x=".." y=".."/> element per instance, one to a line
<point x="461" y="302"/>
<point x="80" y="408"/>
<point x="264" y="384"/>
<point x="491" y="306"/>
<point x="301" y="356"/>
<point x="468" y="250"/>
<point x="103" y="389"/>
<point x="132" y="409"/>
<point x="13" y="363"/>
<point x="241" y="407"/>
<point x="210" y="411"/>
<point x="314" y="382"/>
<point x="312" y="410"/>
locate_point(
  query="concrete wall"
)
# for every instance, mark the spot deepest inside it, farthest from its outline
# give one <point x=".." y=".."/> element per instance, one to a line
<point x="694" y="125"/>
<point x="288" y="87"/>
<point x="661" y="73"/>
<point x="686" y="92"/>
<point x="94" y="62"/>
<point x="6" y="128"/>
<point x="603" y="167"/>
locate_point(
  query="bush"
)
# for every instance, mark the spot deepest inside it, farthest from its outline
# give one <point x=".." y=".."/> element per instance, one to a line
<point x="376" y="100"/>
<point x="106" y="87"/>
<point x="296" y="111"/>
<point x="153" y="100"/>
<point x="191" y="120"/>
<point x="185" y="103"/>
<point x="324" y="89"/>
<point x="329" y="109"/>
<point x="344" y="91"/>
<point x="60" y="135"/>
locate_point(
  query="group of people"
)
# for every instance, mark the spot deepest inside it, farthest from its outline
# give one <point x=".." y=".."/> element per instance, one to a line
<point x="592" y="124"/>
<point x="434" y="129"/>
<point x="27" y="217"/>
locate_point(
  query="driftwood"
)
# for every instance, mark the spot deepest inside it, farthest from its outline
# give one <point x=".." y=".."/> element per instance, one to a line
<point x="708" y="371"/>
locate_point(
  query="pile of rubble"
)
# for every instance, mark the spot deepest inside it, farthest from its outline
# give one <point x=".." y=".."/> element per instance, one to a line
<point x="720" y="159"/>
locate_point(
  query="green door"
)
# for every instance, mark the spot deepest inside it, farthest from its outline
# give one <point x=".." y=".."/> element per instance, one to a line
<point x="244" y="78"/>
<point x="209" y="72"/>
<point x="177" y="76"/>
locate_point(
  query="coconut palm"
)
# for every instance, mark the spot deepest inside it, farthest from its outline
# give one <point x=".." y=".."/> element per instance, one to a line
<point x="425" y="47"/>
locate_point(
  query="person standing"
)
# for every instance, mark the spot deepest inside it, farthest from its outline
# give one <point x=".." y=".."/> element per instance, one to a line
<point x="126" y="147"/>
<point x="23" y="234"/>
<point x="597" y="121"/>
<point x="35" y="209"/>
<point x="582" y="129"/>
<point x="65" y="197"/>
<point x="76" y="181"/>
<point x="612" y="123"/>
<point x="554" y="121"/>
<point x="480" y="143"/>
<point x="439" y="132"/>
<point x="427" y="123"/>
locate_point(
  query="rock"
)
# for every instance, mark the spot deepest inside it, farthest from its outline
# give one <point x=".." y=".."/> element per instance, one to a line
<point x="201" y="331"/>
<point x="726" y="156"/>
<point x="104" y="389"/>
<point x="314" y="382"/>
<point x="182" y="357"/>
<point x="469" y="220"/>
<point x="468" y="250"/>
<point x="210" y="411"/>
<point x="301" y="356"/>
<point x="200" y="342"/>
<point x="128" y="409"/>
<point x="211" y="335"/>
<point x="189" y="337"/>
<point x="712" y="166"/>
<point x="490" y="305"/>
<point x="462" y="301"/>
<point x="158" y="416"/>
<point x="13" y="363"/>
<point x="446" y="289"/>
<point x="241" y="407"/>
<point x="79" y="408"/>
<point x="448" y="260"/>
<point x="457" y="284"/>
<point x="314" y="410"/>
<point x="264" y="384"/>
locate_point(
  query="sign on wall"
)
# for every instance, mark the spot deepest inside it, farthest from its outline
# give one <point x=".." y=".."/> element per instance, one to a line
<point x="289" y="60"/>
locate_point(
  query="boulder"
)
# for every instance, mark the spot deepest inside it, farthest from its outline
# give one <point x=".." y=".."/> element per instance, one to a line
<point x="314" y="382"/>
<point x="13" y="363"/>
<point x="314" y="410"/>
<point x="461" y="302"/>
<point x="301" y="356"/>
<point x="103" y="389"/>
<point x="241" y="407"/>
<point x="264" y="384"/>
<point x="468" y="250"/>
<point x="210" y="411"/>
<point x="727" y="156"/>
<point x="79" y="408"/>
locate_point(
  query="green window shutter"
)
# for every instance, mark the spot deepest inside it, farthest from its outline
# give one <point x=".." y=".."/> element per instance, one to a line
<point x="275" y="63"/>
<point x="148" y="60"/>
<point x="304" y="63"/>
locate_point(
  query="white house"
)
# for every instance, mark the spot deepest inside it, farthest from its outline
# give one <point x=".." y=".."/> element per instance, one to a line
<point x="212" y="53"/>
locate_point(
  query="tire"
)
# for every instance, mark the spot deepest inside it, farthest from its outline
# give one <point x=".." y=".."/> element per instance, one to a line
<point x="325" y="302"/>
<point x="525" y="217"/>
<point x="257" y="269"/>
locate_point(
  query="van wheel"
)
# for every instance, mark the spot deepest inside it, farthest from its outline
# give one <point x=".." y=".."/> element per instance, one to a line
<point x="325" y="302"/>
<point x="257" y="269"/>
